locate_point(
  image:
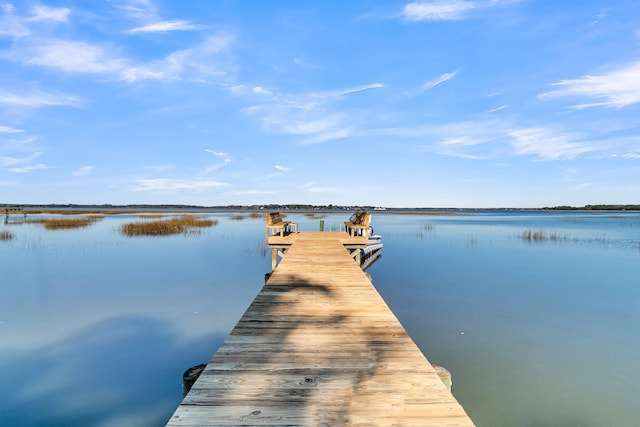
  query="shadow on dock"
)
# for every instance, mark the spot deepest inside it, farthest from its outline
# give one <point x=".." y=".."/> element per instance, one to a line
<point x="303" y="353"/>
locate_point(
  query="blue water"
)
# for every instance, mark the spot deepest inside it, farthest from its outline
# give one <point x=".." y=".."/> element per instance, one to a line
<point x="96" y="328"/>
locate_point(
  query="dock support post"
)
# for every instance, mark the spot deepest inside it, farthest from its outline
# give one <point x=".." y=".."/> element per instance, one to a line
<point x="274" y="258"/>
<point x="322" y="225"/>
<point x="445" y="376"/>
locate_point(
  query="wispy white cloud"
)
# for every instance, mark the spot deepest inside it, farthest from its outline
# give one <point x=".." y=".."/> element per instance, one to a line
<point x="435" y="82"/>
<point x="617" y="88"/>
<point x="213" y="168"/>
<point x="330" y="135"/>
<point x="316" y="116"/>
<point x="15" y="161"/>
<point x="67" y="56"/>
<point x="196" y="63"/>
<point x="160" y="167"/>
<point x="598" y="17"/>
<point x="7" y="129"/>
<point x="16" y="26"/>
<point x="261" y="90"/>
<point x="215" y="153"/>
<point x="165" y="27"/>
<point x="302" y="63"/>
<point x="169" y="185"/>
<point x="548" y="145"/>
<point x="443" y="10"/>
<point x="479" y="139"/>
<point x="312" y="127"/>
<point x="346" y="91"/>
<point x="495" y="110"/>
<point x="446" y="10"/>
<point x="83" y="171"/>
<point x="138" y="10"/>
<point x="28" y="168"/>
<point x="280" y="171"/>
<point x="41" y="13"/>
<point x="37" y="99"/>
<point x="107" y="61"/>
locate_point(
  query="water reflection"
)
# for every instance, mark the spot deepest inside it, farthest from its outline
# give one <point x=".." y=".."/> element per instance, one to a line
<point x="96" y="328"/>
<point x="106" y="373"/>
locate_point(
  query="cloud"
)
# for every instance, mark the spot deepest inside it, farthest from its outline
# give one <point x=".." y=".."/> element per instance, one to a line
<point x="15" y="26"/>
<point x="168" y="185"/>
<point x="215" y="153"/>
<point x="83" y="171"/>
<point x="437" y="10"/>
<point x="312" y="127"/>
<point x="213" y="168"/>
<point x="617" y="88"/>
<point x="51" y="14"/>
<point x="495" y="110"/>
<point x="347" y="91"/>
<point x="68" y="56"/>
<point x="193" y="63"/>
<point x="139" y="10"/>
<point x="280" y="171"/>
<point x="446" y="10"/>
<point x="7" y="129"/>
<point x="261" y="90"/>
<point x="435" y="82"/>
<point x="165" y="26"/>
<point x="28" y="168"/>
<point x="13" y="161"/>
<point x="548" y="145"/>
<point x="71" y="56"/>
<point x="307" y="114"/>
<point x="37" y="99"/>
<point x="329" y="135"/>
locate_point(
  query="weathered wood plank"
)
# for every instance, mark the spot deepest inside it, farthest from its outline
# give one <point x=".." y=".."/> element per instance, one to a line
<point x="319" y="346"/>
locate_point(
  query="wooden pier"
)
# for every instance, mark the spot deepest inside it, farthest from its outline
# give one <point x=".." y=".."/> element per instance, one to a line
<point x="319" y="347"/>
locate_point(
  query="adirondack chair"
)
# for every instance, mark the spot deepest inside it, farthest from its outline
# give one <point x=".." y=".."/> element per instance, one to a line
<point x="277" y="226"/>
<point x="358" y="224"/>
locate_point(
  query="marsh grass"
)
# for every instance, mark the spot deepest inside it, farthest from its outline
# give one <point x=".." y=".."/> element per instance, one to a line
<point x="260" y="247"/>
<point x="256" y="215"/>
<point x="6" y="235"/>
<point x="428" y="227"/>
<point x="179" y="225"/>
<point x="541" y="235"/>
<point x="237" y="218"/>
<point x="65" y="223"/>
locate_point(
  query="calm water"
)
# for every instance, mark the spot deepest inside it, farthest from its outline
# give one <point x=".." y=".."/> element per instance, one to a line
<point x="96" y="328"/>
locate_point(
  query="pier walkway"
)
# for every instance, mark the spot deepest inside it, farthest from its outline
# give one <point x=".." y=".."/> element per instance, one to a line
<point x="319" y="347"/>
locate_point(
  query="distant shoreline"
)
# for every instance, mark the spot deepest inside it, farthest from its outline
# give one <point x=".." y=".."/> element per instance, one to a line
<point x="300" y="208"/>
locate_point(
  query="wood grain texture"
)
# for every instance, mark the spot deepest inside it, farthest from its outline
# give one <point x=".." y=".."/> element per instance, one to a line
<point x="319" y="347"/>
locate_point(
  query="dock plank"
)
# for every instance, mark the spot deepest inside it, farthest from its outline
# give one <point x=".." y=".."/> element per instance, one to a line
<point x="319" y="346"/>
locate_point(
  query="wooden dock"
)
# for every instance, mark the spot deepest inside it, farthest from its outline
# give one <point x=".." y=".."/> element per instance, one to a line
<point x="319" y="347"/>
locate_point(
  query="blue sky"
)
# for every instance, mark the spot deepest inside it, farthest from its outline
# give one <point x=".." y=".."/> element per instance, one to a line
<point x="460" y="103"/>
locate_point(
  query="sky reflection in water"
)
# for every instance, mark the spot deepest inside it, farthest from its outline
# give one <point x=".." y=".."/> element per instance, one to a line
<point x="96" y="328"/>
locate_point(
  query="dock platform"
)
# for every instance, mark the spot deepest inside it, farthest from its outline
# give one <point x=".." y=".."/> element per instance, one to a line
<point x="319" y="347"/>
